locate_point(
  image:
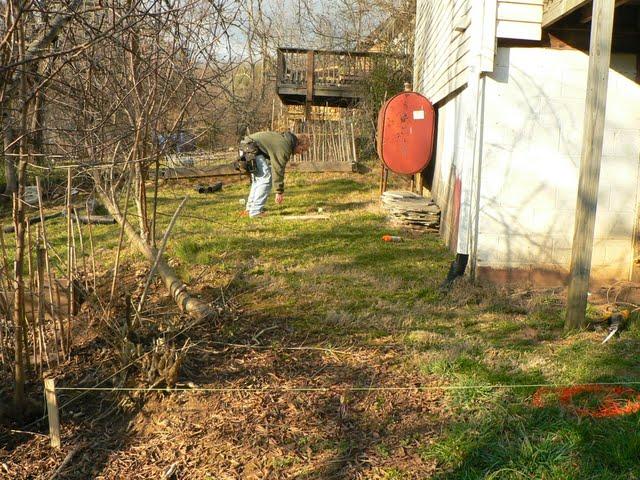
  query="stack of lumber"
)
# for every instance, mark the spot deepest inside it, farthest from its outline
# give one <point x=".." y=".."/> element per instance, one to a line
<point x="410" y="210"/>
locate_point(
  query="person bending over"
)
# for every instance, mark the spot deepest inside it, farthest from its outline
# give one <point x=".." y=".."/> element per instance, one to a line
<point x="276" y="149"/>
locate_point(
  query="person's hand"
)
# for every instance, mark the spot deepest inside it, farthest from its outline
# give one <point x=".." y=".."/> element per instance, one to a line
<point x="279" y="198"/>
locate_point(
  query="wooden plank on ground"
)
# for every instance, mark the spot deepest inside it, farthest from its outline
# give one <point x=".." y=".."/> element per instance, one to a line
<point x="192" y="172"/>
<point x="305" y="217"/>
<point x="321" y="167"/>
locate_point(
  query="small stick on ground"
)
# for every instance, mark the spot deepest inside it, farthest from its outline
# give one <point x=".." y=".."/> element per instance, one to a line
<point x="65" y="462"/>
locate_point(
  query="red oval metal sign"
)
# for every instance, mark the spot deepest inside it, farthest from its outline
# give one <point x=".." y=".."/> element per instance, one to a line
<point x="406" y="125"/>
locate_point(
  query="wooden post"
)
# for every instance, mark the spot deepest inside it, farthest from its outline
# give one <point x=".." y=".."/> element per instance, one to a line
<point x="310" y="75"/>
<point x="384" y="178"/>
<point x="353" y="144"/>
<point x="52" y="411"/>
<point x="280" y="68"/>
<point x="419" y="179"/>
<point x="310" y="81"/>
<point x="595" y="108"/>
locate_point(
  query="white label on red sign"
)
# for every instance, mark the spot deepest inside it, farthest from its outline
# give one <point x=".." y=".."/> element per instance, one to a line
<point x="418" y="114"/>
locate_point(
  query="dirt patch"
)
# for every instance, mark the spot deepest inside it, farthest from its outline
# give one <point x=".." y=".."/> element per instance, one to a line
<point x="286" y="431"/>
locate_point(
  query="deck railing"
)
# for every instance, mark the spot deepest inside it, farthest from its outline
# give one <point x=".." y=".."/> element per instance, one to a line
<point x="316" y="69"/>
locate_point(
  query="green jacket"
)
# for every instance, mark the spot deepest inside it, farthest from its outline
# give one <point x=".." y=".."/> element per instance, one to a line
<point x="279" y="147"/>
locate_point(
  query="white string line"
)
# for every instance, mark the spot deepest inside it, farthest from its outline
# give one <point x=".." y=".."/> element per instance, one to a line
<point x="342" y="388"/>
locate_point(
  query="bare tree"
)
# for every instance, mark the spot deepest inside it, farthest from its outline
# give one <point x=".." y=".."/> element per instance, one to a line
<point x="115" y="76"/>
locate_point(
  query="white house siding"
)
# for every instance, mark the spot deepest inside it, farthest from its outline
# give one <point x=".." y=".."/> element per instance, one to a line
<point x="446" y="187"/>
<point x="442" y="44"/>
<point x="533" y="118"/>
<point x="519" y="19"/>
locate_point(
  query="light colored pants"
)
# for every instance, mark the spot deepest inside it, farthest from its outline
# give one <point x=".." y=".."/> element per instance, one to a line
<point x="260" y="187"/>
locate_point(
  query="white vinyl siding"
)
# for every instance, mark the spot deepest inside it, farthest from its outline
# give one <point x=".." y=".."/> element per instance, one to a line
<point x="519" y="19"/>
<point x="441" y="47"/>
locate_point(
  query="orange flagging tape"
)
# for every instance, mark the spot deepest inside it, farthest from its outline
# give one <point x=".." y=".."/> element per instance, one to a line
<point x="614" y="400"/>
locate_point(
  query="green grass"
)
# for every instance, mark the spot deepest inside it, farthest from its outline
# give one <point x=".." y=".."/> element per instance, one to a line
<point x="335" y="283"/>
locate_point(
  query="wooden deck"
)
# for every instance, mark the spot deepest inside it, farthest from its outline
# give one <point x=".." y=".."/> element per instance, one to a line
<point x="321" y="77"/>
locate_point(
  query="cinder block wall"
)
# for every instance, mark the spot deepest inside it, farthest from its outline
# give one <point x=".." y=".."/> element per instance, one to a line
<point x="533" y="118"/>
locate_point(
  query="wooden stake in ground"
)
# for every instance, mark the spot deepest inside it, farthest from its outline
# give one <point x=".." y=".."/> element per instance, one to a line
<point x="52" y="412"/>
<point x="384" y="177"/>
<point x="596" y="104"/>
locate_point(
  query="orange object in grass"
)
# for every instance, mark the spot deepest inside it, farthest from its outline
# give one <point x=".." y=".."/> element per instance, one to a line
<point x="391" y="238"/>
<point x="615" y="400"/>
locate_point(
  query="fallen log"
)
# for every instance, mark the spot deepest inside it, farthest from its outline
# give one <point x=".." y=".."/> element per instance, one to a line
<point x="94" y="219"/>
<point x="85" y="219"/>
<point x="32" y="221"/>
<point x="189" y="304"/>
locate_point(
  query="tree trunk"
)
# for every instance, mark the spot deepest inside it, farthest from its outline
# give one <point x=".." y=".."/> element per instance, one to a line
<point x="195" y="307"/>
<point x="18" y="304"/>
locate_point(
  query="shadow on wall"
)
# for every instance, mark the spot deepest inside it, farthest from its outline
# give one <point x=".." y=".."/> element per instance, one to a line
<point x="534" y="109"/>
